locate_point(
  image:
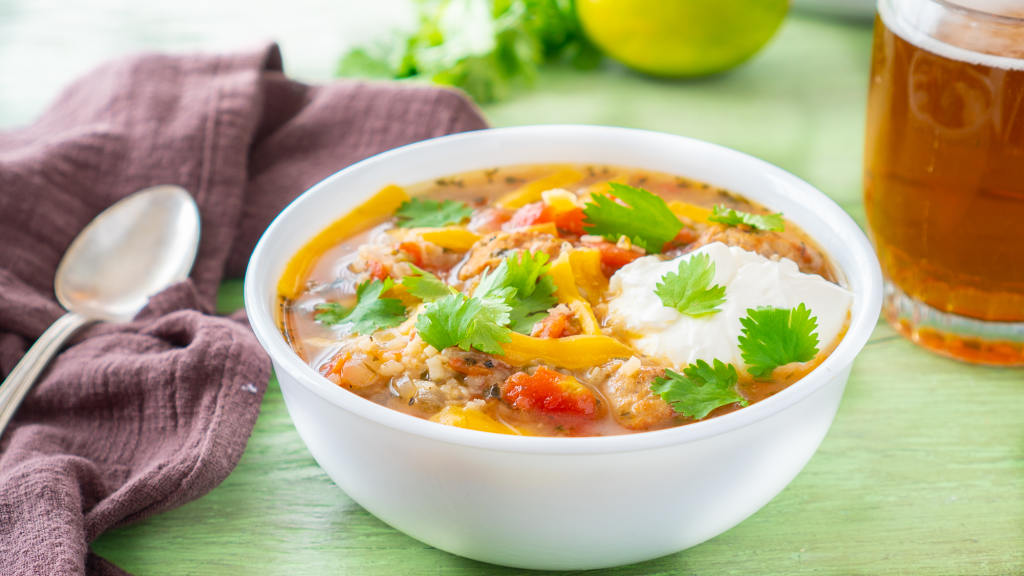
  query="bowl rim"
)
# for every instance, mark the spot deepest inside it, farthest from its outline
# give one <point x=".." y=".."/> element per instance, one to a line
<point x="862" y="323"/>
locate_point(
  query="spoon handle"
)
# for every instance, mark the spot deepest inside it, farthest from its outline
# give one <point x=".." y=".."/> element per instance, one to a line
<point x="27" y="370"/>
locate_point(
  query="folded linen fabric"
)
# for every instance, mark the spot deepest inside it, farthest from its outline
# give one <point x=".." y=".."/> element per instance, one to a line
<point x="137" y="418"/>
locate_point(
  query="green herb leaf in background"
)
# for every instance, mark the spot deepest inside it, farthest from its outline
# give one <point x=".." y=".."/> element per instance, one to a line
<point x="699" y="389"/>
<point x="480" y="46"/>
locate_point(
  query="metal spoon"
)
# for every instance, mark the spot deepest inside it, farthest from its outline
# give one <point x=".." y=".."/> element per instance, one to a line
<point x="142" y="244"/>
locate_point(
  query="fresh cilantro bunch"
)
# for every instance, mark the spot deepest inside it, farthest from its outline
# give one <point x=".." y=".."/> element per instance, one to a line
<point x="522" y="281"/>
<point x="422" y="213"/>
<point x="480" y="46"/>
<point x="699" y="389"/>
<point x="731" y="217"/>
<point x="772" y="337"/>
<point x="639" y="215"/>
<point x="371" y="312"/>
<point x="513" y="296"/>
<point x="690" y="289"/>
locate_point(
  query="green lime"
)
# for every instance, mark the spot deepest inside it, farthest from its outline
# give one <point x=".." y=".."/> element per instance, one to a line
<point x="681" y="37"/>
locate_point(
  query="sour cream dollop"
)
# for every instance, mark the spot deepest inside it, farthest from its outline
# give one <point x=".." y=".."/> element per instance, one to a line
<point x="750" y="281"/>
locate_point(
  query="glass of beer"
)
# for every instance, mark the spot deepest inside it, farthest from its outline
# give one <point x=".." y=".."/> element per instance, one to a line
<point x="944" y="173"/>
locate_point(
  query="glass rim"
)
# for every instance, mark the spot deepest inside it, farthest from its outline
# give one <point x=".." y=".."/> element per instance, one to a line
<point x="894" y="15"/>
<point x="978" y="12"/>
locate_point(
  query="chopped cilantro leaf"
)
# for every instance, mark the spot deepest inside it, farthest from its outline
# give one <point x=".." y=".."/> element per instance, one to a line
<point x="515" y="295"/>
<point x="645" y="218"/>
<point x="331" y="313"/>
<point x="730" y="217"/>
<point x="690" y="290"/>
<point x="425" y="286"/>
<point x="772" y="337"/>
<point x="421" y="213"/>
<point x="371" y="312"/>
<point x="456" y="320"/>
<point x="699" y="389"/>
<point x="524" y="284"/>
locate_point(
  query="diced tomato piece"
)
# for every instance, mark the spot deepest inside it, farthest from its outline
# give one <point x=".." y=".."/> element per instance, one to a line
<point x="686" y="236"/>
<point x="335" y="366"/>
<point x="549" y="391"/>
<point x="376" y="269"/>
<point x="489" y="220"/>
<point x="570" y="221"/>
<point x="414" y="250"/>
<point x="614" y="257"/>
<point x="535" y="213"/>
<point x="554" y="326"/>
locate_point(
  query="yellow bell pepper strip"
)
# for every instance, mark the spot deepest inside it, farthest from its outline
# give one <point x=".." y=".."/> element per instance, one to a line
<point x="545" y="228"/>
<point x="372" y="211"/>
<point x="565" y="283"/>
<point x="585" y="314"/>
<point x="586" y="269"/>
<point x="691" y="211"/>
<point x="560" y="200"/>
<point x="463" y="417"/>
<point x="456" y="238"/>
<point x="531" y="191"/>
<point x="572" y="352"/>
<point x="565" y="290"/>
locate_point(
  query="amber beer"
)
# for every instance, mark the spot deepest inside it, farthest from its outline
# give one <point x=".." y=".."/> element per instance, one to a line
<point x="944" y="175"/>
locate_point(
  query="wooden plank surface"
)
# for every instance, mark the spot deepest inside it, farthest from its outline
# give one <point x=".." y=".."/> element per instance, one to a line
<point x="922" y="472"/>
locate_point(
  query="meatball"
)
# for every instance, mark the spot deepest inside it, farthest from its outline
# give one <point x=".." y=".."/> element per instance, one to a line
<point x="489" y="252"/>
<point x="772" y="245"/>
<point x="628" y="391"/>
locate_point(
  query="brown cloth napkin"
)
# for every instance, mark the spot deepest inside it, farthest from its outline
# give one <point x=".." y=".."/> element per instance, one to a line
<point x="134" y="419"/>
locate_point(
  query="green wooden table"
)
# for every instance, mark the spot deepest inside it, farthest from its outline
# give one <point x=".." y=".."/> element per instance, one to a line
<point x="922" y="472"/>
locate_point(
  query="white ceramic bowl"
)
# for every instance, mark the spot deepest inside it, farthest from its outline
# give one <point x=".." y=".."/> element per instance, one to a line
<point x="562" y="503"/>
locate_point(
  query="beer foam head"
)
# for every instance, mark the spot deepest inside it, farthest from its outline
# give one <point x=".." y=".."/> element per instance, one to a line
<point x="983" y="32"/>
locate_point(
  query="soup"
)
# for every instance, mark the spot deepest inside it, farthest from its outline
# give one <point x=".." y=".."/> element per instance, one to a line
<point x="562" y="300"/>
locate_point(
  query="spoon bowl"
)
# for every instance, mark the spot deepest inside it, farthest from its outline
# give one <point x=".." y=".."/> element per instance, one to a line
<point x="142" y="244"/>
<point x="132" y="250"/>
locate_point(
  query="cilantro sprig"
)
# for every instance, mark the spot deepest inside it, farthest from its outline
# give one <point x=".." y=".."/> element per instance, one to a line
<point x="732" y="217"/>
<point x="513" y="296"/>
<point x="371" y="312"/>
<point x="425" y="286"/>
<point x="701" y="388"/>
<point x="457" y="320"/>
<point x="772" y="337"/>
<point x="690" y="290"/>
<point x="522" y="282"/>
<point x="639" y="215"/>
<point x="422" y="213"/>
